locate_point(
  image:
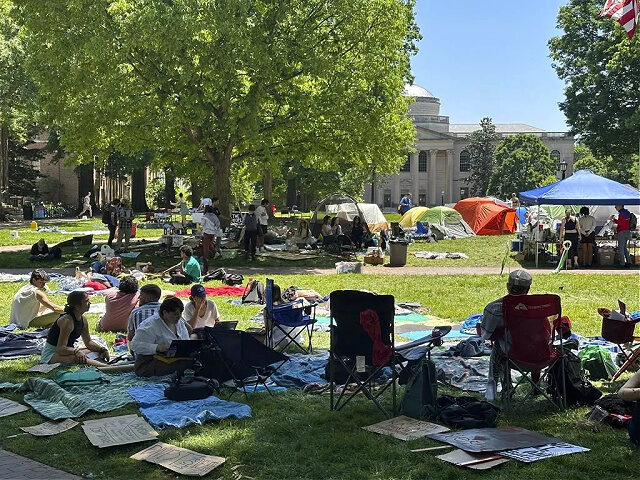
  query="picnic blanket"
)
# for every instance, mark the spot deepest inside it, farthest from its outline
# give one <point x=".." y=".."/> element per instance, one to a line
<point x="226" y="291"/>
<point x="11" y="278"/>
<point x="162" y="412"/>
<point x="54" y="402"/>
<point x="17" y="345"/>
<point x="291" y="256"/>
<point x="438" y="255"/>
<point x="469" y="374"/>
<point x="301" y="370"/>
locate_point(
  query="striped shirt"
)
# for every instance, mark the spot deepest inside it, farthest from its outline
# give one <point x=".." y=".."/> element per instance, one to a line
<point x="140" y="314"/>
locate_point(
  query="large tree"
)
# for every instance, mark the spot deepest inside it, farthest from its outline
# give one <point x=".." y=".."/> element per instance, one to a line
<point x="621" y="168"/>
<point x="216" y="83"/>
<point x="480" y="147"/>
<point x="600" y="67"/>
<point x="522" y="162"/>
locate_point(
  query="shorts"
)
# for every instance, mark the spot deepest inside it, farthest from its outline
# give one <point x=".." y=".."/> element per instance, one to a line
<point x="591" y="238"/>
<point x="262" y="230"/>
<point x="47" y="353"/>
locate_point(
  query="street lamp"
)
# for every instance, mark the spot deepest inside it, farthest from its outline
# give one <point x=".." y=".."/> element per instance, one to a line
<point x="442" y="198"/>
<point x="563" y="168"/>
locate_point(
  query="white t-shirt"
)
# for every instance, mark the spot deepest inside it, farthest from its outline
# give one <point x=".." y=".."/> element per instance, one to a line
<point x="207" y="320"/>
<point x="263" y="216"/>
<point x="25" y="306"/>
<point x="87" y="200"/>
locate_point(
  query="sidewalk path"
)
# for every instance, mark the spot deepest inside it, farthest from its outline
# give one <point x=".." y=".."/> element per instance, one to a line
<point x="15" y="467"/>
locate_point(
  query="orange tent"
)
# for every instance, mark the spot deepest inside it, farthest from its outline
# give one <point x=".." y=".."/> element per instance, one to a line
<point x="486" y="217"/>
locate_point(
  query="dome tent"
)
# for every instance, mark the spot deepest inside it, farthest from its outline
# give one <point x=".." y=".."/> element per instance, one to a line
<point x="445" y="222"/>
<point x="345" y="207"/>
<point x="487" y="217"/>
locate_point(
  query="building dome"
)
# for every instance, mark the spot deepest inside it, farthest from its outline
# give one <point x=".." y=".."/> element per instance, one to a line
<point x="424" y="102"/>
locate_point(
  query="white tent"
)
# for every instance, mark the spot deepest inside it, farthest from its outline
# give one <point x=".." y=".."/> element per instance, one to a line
<point x="369" y="213"/>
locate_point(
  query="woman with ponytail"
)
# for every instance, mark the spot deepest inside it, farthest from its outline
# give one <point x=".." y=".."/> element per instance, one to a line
<point x="63" y="334"/>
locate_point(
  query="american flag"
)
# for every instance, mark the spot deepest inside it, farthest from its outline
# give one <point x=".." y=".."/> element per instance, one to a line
<point x="625" y="12"/>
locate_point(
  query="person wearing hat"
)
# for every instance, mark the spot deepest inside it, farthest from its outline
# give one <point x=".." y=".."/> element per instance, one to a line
<point x="492" y="323"/>
<point x="200" y="312"/>
<point x="31" y="307"/>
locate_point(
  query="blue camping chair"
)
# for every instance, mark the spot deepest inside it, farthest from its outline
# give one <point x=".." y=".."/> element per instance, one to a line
<point x="289" y="319"/>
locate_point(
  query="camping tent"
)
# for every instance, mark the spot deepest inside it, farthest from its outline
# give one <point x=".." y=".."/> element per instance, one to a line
<point x="487" y="217"/>
<point x="583" y="187"/>
<point x="445" y="222"/>
<point x="345" y="207"/>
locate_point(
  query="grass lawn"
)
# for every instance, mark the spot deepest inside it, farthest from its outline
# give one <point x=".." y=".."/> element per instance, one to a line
<point x="295" y="436"/>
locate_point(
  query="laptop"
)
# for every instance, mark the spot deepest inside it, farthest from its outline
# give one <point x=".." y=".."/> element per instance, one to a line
<point x="184" y="348"/>
<point x="228" y="325"/>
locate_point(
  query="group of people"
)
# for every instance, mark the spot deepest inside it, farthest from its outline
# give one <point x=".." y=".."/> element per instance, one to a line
<point x="582" y="231"/>
<point x="256" y="223"/>
<point x="359" y="236"/>
<point x="118" y="216"/>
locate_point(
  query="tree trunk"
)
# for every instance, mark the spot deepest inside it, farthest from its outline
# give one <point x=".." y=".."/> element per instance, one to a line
<point x="221" y="163"/>
<point x="196" y="191"/>
<point x="268" y="186"/>
<point x="138" y="188"/>
<point x="291" y="192"/>
<point x="169" y="185"/>
<point x="4" y="163"/>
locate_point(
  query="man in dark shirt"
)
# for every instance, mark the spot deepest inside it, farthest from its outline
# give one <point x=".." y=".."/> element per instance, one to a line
<point x="40" y="251"/>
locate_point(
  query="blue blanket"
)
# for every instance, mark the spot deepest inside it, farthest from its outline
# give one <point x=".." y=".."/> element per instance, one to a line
<point x="162" y="412"/>
<point x="301" y="370"/>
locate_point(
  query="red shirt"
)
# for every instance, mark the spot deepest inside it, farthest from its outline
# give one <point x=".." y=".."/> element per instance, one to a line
<point x="623" y="220"/>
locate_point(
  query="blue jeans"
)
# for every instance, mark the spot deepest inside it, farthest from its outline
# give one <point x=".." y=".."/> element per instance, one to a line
<point x="623" y="249"/>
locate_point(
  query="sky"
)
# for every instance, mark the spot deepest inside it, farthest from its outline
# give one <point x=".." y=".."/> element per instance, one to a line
<point x="490" y="59"/>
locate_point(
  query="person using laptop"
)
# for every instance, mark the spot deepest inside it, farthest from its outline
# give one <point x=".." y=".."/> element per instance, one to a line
<point x="153" y="339"/>
<point x="200" y="312"/>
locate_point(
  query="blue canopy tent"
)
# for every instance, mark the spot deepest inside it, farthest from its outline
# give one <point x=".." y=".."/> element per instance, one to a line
<point x="583" y="188"/>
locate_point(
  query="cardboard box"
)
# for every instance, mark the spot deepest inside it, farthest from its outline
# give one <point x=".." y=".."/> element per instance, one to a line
<point x="605" y="257"/>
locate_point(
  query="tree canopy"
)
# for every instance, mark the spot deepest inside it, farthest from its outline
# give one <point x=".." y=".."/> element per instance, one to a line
<point x="600" y="66"/>
<point x="481" y="149"/>
<point x="216" y="84"/>
<point x="522" y="162"/>
<point x="621" y="168"/>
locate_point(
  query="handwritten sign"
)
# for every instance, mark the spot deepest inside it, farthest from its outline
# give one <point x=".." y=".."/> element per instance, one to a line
<point x="9" y="407"/>
<point x="44" y="367"/>
<point x="111" y="431"/>
<point x="180" y="460"/>
<point x="405" y="428"/>
<point x="50" y="428"/>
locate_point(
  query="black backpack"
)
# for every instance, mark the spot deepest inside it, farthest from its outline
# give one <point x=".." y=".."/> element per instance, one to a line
<point x="633" y="221"/>
<point x="466" y="412"/>
<point x="194" y="388"/>
<point x="233" y="279"/>
<point x="254" y="293"/>
<point x="422" y="390"/>
<point x="579" y="391"/>
<point x="634" y="425"/>
<point x="106" y="215"/>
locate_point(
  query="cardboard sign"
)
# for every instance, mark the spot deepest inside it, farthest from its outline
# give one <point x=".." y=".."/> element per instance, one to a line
<point x="406" y="428"/>
<point x="44" y="367"/>
<point x="50" y="428"/>
<point x="473" y="461"/>
<point x="180" y="460"/>
<point x="533" y="454"/>
<point x="111" y="431"/>
<point x="9" y="407"/>
<point x="493" y="439"/>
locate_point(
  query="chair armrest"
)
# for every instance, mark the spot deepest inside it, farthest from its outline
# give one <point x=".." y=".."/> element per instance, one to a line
<point x="436" y="335"/>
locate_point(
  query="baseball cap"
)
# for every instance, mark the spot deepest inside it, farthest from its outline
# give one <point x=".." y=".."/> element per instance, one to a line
<point x="520" y="278"/>
<point x="198" y="290"/>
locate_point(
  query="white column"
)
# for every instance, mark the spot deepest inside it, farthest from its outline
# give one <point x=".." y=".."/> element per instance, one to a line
<point x="431" y="179"/>
<point x="450" y="170"/>
<point x="414" y="177"/>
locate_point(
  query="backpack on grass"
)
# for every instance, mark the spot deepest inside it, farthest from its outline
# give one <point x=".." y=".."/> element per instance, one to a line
<point x="422" y="390"/>
<point x="254" y="293"/>
<point x="579" y="391"/>
<point x="195" y="388"/>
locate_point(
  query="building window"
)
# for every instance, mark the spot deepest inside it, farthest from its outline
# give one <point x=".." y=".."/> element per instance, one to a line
<point x="387" y="198"/>
<point x="465" y="161"/>
<point x="555" y="156"/>
<point x="464" y="192"/>
<point x="407" y="166"/>
<point x="422" y="199"/>
<point x="422" y="161"/>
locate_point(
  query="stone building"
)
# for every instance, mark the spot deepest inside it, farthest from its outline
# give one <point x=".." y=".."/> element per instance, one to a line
<point x="436" y="172"/>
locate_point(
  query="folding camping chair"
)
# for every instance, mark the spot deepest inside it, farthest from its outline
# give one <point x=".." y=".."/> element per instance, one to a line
<point x="362" y="344"/>
<point x="289" y="320"/>
<point x="240" y="358"/>
<point x="528" y="319"/>
<point x="621" y="332"/>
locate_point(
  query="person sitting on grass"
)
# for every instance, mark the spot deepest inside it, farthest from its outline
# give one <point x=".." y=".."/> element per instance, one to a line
<point x="303" y="237"/>
<point x="153" y="339"/>
<point x="31" y="307"/>
<point x="200" y="312"/>
<point x="40" y="251"/>
<point x="188" y="270"/>
<point x="119" y="304"/>
<point x="71" y="325"/>
<point x="149" y="304"/>
<point x="357" y="232"/>
<point x="630" y="392"/>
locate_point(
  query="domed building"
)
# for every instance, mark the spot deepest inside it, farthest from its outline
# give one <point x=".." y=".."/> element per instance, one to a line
<point x="436" y="173"/>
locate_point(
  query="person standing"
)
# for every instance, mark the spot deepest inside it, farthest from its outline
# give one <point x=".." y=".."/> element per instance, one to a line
<point x="210" y="231"/>
<point x="86" y="205"/>
<point x="125" y="223"/>
<point x="515" y="201"/>
<point x="204" y="203"/>
<point x="221" y="220"/>
<point x="113" y="220"/>
<point x="623" y="227"/>
<point x="570" y="230"/>
<point x="184" y="209"/>
<point x="588" y="236"/>
<point x="405" y="204"/>
<point x="263" y="219"/>
<point x="250" y="233"/>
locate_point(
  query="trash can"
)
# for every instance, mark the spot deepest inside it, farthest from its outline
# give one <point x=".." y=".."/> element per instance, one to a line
<point x="398" y="254"/>
<point x="27" y="211"/>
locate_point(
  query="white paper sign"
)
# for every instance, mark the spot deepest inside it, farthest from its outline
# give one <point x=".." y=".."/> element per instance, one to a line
<point x="9" y="407"/>
<point x="50" y="428"/>
<point x="532" y="454"/>
<point x="475" y="461"/>
<point x="180" y="460"/>
<point x="111" y="431"/>
<point x="406" y="428"/>
<point x="44" y="367"/>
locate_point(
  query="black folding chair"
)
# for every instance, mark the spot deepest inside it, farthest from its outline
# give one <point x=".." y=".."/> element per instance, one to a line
<point x="241" y="358"/>
<point x="352" y="346"/>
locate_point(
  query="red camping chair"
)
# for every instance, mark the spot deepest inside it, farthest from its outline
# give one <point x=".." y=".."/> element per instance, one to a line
<point x="621" y="332"/>
<point x="528" y="320"/>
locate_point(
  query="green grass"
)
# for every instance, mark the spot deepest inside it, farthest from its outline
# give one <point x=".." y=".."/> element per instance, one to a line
<point x="295" y="436"/>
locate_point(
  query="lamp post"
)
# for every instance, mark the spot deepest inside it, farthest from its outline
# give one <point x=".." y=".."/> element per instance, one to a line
<point x="442" y="198"/>
<point x="563" y="168"/>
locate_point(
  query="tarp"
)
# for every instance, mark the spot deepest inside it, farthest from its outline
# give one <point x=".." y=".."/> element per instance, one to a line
<point x="521" y="212"/>
<point x="583" y="187"/>
<point x="445" y="222"/>
<point x="487" y="217"/>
